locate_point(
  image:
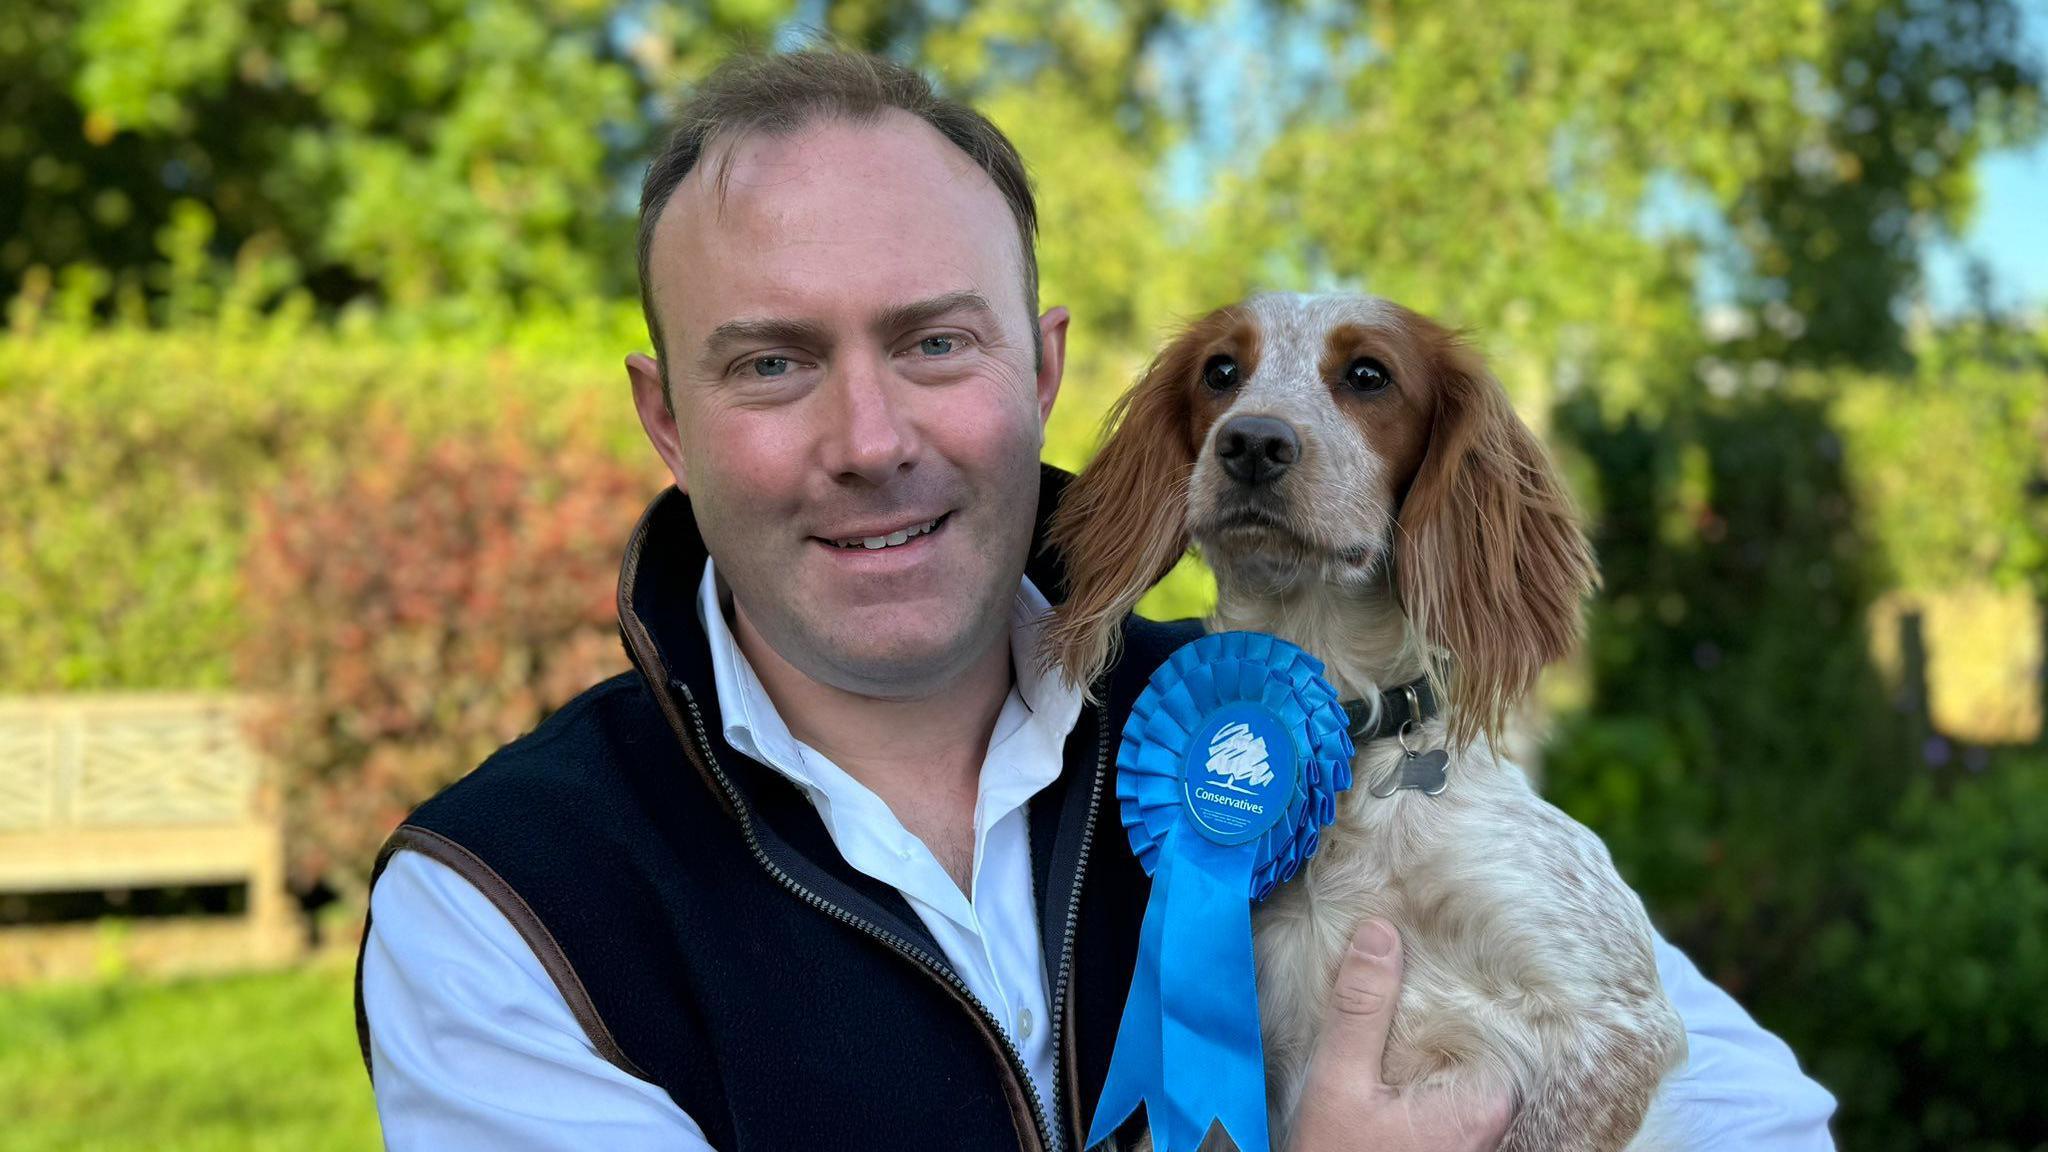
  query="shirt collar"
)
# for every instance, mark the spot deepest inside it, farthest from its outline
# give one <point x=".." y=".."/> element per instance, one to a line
<point x="753" y="726"/>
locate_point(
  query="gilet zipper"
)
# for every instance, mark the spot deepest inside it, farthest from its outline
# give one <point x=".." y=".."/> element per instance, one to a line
<point x="1063" y="982"/>
<point x="1043" y="1129"/>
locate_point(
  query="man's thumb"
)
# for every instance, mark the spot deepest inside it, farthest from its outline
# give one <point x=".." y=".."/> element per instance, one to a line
<point x="1362" y="1004"/>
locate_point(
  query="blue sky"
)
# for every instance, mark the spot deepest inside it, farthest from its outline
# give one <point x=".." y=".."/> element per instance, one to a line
<point x="2009" y="233"/>
<point x="2010" y="229"/>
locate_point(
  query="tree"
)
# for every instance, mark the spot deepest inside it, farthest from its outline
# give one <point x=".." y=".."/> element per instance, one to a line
<point x="463" y="157"/>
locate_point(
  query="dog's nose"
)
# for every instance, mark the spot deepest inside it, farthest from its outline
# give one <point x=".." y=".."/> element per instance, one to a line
<point x="1256" y="450"/>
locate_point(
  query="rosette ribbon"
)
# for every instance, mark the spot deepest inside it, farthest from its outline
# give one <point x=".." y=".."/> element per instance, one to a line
<point x="1229" y="768"/>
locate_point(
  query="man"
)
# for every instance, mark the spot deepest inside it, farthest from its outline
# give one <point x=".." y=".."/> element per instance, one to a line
<point x="835" y="866"/>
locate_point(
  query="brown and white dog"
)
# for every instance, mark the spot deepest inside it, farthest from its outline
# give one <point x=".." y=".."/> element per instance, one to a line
<point x="1361" y="486"/>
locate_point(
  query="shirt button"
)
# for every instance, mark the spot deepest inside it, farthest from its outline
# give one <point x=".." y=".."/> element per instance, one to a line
<point x="1024" y="1024"/>
<point x="904" y="853"/>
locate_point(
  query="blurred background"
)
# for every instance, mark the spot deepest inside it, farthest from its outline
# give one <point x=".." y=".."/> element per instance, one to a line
<point x="316" y="457"/>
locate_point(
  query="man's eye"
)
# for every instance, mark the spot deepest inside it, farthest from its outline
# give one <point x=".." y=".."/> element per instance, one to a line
<point x="771" y="365"/>
<point x="938" y="345"/>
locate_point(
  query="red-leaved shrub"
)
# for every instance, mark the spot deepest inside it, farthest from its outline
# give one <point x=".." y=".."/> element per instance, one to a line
<point x="420" y="612"/>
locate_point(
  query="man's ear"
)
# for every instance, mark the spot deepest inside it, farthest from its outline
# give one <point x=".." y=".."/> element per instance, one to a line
<point x="650" y="399"/>
<point x="1052" y="359"/>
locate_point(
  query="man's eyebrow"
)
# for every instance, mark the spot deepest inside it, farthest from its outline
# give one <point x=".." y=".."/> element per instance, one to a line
<point x="733" y="333"/>
<point x="901" y="316"/>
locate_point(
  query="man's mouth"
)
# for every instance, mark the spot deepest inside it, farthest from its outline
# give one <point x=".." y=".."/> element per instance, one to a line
<point x="891" y="539"/>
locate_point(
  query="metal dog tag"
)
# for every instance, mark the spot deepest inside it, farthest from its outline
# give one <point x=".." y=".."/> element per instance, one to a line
<point x="1424" y="772"/>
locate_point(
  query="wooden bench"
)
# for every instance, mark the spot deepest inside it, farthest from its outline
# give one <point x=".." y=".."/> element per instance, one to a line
<point x="117" y="792"/>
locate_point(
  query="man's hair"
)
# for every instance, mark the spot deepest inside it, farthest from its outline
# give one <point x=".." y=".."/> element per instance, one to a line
<point x="781" y="93"/>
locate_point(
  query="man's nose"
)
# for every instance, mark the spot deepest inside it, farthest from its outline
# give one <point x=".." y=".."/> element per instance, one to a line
<point x="868" y="434"/>
<point x="1257" y="450"/>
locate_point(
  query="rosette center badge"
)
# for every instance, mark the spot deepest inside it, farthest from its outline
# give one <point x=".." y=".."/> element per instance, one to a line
<point x="1240" y="773"/>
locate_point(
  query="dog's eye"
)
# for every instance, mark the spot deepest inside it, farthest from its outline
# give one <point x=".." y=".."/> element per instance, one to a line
<point x="1366" y="374"/>
<point x="1220" y="373"/>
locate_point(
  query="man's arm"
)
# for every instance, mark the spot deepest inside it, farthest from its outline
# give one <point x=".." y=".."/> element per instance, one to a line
<point x="1740" y="1088"/>
<point x="471" y="1044"/>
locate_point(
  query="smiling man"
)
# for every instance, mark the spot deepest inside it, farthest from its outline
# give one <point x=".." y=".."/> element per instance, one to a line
<point x="860" y="386"/>
<point x="835" y="866"/>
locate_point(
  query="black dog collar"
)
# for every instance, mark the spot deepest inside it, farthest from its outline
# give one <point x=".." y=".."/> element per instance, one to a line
<point x="1409" y="704"/>
<point x="1410" y="701"/>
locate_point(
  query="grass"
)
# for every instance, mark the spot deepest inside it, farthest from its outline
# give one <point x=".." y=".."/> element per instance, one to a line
<point x="248" y="1062"/>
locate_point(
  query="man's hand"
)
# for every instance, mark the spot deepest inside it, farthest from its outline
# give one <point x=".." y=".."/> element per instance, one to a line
<point x="1347" y="1105"/>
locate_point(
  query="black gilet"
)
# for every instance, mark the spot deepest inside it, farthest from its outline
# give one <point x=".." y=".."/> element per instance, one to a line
<point x="692" y="909"/>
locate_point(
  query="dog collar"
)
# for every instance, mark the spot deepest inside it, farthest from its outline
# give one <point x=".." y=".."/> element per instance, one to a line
<point x="1402" y="710"/>
<point x="1411" y="701"/>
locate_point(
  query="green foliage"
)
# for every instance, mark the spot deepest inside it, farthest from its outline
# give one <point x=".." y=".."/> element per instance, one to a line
<point x="129" y="463"/>
<point x="1731" y="676"/>
<point x="1922" y="988"/>
<point x="1943" y="458"/>
<point x="1944" y="989"/>
<point x="1748" y="768"/>
<point x="458" y="161"/>
<point x="418" y="613"/>
<point x="224" y="1065"/>
<point x="1900" y="97"/>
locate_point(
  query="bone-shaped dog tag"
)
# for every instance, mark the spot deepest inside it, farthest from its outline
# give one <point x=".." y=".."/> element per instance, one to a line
<point x="1423" y="771"/>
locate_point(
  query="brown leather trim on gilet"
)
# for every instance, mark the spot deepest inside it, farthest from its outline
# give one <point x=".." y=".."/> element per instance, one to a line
<point x="437" y="847"/>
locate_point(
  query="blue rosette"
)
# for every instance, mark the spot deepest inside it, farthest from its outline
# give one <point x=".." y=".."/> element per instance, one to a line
<point x="1229" y="768"/>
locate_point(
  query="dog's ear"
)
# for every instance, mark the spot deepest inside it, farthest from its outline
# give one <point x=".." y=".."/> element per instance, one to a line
<point x="1490" y="562"/>
<point x="1122" y="524"/>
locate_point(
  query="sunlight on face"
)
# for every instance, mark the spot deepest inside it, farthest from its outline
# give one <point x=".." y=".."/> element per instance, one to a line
<point x="851" y="363"/>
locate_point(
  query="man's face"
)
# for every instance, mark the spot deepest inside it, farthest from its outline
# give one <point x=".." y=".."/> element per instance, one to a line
<point x="850" y="358"/>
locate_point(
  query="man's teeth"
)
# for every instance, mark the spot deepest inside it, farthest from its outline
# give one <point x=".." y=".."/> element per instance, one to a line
<point x="893" y="538"/>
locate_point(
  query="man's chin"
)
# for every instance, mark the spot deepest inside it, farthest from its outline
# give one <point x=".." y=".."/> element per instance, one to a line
<point x="893" y="653"/>
<point x="900" y="671"/>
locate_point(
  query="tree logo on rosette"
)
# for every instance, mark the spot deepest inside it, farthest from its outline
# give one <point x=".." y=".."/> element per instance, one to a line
<point x="1239" y="773"/>
<point x="1237" y="753"/>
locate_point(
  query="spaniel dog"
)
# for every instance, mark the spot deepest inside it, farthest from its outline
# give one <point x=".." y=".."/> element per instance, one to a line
<point x="1360" y="486"/>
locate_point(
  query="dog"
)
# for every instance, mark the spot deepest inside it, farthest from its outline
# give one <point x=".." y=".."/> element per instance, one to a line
<point x="1361" y="486"/>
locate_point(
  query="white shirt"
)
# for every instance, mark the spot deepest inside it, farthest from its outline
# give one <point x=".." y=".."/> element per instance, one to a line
<point x="992" y="939"/>
<point x="475" y="1048"/>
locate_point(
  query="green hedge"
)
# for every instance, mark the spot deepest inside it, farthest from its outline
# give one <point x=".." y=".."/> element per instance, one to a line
<point x="129" y="463"/>
<point x="422" y="610"/>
